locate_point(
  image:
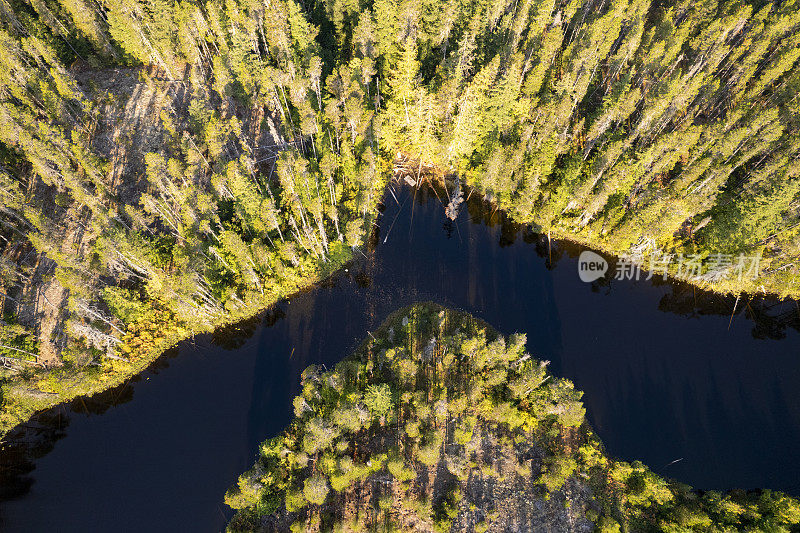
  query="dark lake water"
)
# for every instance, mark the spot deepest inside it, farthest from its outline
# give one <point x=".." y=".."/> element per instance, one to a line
<point x="670" y="377"/>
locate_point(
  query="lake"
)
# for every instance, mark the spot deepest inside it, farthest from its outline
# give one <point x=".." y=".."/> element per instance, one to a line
<point x="671" y="376"/>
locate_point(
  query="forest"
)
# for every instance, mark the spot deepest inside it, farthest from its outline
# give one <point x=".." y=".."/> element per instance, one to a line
<point x="438" y="423"/>
<point x="168" y="167"/>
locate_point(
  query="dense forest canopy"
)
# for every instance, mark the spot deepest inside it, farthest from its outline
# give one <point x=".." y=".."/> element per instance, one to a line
<point x="438" y="423"/>
<point x="170" y="166"/>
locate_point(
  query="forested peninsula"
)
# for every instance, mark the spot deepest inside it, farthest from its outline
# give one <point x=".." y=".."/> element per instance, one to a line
<point x="168" y="167"/>
<point x="439" y="423"/>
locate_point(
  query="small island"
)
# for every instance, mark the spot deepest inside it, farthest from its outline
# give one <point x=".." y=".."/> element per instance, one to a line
<point x="437" y="422"/>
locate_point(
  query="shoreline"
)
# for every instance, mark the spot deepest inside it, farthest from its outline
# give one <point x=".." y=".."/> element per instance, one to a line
<point x="724" y="287"/>
<point x="447" y="345"/>
<point x="85" y="384"/>
<point x="139" y="362"/>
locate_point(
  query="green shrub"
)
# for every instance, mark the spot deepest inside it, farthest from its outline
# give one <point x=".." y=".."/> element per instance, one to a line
<point x="378" y="399"/>
<point x="316" y="489"/>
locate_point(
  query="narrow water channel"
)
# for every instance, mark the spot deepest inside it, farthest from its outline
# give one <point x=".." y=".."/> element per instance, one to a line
<point x="671" y="378"/>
